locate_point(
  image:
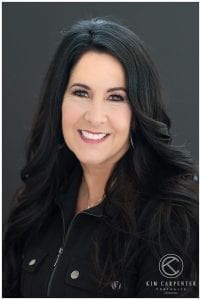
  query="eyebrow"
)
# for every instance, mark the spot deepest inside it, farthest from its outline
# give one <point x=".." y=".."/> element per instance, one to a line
<point x="109" y="90"/>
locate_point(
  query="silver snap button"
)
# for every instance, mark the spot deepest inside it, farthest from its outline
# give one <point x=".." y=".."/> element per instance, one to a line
<point x="195" y="178"/>
<point x="116" y="285"/>
<point x="32" y="262"/>
<point x="75" y="274"/>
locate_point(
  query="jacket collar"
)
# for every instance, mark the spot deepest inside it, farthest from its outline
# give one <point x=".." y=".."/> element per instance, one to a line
<point x="67" y="199"/>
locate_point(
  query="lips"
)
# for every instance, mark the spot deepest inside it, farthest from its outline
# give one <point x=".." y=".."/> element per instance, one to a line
<point x="93" y="137"/>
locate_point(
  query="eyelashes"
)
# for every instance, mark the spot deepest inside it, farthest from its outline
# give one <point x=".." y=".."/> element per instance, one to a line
<point x="80" y="93"/>
<point x="116" y="98"/>
<point x="113" y="97"/>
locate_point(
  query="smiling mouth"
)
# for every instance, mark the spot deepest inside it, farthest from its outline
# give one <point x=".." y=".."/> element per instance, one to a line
<point x="93" y="137"/>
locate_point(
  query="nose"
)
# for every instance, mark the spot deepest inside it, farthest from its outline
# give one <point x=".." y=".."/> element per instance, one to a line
<point x="96" y="114"/>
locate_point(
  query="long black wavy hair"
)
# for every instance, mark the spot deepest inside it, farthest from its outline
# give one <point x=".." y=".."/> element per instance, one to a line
<point x="151" y="189"/>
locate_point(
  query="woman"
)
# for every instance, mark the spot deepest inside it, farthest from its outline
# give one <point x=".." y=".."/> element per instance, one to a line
<point x="108" y="207"/>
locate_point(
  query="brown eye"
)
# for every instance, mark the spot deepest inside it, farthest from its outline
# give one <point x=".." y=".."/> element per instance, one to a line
<point x="80" y="93"/>
<point x="117" y="98"/>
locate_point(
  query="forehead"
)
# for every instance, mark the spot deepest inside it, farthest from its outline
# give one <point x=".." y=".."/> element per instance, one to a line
<point x="94" y="67"/>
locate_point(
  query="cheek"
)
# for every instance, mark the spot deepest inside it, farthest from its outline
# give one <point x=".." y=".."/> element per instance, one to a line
<point x="70" y="115"/>
<point x="121" y="122"/>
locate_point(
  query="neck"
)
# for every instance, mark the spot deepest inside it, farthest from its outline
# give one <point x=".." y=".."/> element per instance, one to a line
<point x="93" y="184"/>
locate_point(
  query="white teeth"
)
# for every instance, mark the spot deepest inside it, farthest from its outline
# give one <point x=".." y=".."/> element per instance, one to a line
<point x="93" y="136"/>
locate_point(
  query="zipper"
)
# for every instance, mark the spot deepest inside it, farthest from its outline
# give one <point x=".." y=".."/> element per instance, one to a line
<point x="52" y="274"/>
<point x="65" y="238"/>
<point x="58" y="254"/>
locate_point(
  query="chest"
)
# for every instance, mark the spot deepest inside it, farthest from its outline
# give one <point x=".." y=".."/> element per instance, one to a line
<point x="59" y="262"/>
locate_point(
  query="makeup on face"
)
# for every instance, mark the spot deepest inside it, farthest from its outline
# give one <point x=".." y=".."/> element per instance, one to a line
<point x="96" y="112"/>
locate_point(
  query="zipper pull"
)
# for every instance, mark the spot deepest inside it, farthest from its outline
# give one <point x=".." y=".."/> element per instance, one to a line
<point x="58" y="255"/>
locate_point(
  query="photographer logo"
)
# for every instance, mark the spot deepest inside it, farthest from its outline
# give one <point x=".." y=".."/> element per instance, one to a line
<point x="171" y="265"/>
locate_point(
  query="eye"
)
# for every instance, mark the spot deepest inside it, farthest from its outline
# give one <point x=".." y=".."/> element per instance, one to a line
<point x="80" y="93"/>
<point x="117" y="98"/>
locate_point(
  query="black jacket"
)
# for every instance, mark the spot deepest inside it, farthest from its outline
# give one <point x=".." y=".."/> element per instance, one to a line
<point x="57" y="262"/>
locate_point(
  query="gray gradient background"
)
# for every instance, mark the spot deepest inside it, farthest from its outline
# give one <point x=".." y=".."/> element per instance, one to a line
<point x="31" y="33"/>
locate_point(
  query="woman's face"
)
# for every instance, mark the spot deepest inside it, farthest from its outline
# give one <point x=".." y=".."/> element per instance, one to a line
<point x="96" y="113"/>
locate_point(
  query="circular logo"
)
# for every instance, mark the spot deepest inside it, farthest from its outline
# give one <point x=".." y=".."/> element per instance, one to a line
<point x="171" y="265"/>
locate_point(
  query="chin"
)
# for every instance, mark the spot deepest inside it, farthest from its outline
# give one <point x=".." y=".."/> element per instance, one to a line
<point x="97" y="158"/>
<point x="91" y="162"/>
<point x="104" y="161"/>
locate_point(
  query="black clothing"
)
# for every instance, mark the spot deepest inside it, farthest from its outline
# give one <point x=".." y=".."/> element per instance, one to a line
<point x="57" y="262"/>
